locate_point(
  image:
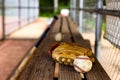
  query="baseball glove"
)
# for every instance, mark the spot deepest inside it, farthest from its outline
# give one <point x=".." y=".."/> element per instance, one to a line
<point x="65" y="53"/>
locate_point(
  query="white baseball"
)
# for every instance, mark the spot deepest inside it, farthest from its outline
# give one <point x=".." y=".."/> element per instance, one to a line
<point x="82" y="64"/>
<point x="58" y="36"/>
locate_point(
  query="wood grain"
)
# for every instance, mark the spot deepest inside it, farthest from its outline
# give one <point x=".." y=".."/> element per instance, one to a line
<point x="97" y="72"/>
<point x="42" y="66"/>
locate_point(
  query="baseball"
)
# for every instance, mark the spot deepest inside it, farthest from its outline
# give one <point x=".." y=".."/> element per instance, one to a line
<point x="82" y="64"/>
<point x="58" y="36"/>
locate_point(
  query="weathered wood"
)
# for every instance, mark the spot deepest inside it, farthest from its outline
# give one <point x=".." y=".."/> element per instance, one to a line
<point x="76" y="34"/>
<point x="42" y="66"/>
<point x="67" y="72"/>
<point x="97" y="72"/>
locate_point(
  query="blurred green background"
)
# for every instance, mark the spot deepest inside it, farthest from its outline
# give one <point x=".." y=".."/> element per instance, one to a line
<point x="47" y="7"/>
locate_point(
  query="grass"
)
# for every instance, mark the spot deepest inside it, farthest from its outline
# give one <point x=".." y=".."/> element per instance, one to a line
<point x="103" y="25"/>
<point x="51" y="13"/>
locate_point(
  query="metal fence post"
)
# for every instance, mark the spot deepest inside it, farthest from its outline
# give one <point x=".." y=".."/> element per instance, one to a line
<point x="74" y="11"/>
<point x="98" y="30"/>
<point x="19" y="12"/>
<point x="70" y="7"/>
<point x="55" y="5"/>
<point x="77" y="11"/>
<point x="3" y="19"/>
<point x="80" y="15"/>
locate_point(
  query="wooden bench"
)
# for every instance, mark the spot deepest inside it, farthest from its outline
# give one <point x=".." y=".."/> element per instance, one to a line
<point x="42" y="67"/>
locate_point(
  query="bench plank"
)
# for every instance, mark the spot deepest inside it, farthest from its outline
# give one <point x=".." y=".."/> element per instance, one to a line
<point x="97" y="72"/>
<point x="76" y="34"/>
<point x="67" y="72"/>
<point x="42" y="66"/>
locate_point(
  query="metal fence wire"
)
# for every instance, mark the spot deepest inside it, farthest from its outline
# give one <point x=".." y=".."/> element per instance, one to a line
<point x="110" y="59"/>
<point x="112" y="32"/>
<point x="112" y="36"/>
<point x="109" y="56"/>
<point x="16" y="13"/>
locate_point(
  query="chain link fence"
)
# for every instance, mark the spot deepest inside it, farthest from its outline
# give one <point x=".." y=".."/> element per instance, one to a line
<point x="109" y="53"/>
<point x="15" y="14"/>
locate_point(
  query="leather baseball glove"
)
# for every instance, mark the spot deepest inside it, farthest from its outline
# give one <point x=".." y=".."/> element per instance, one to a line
<point x="65" y="53"/>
